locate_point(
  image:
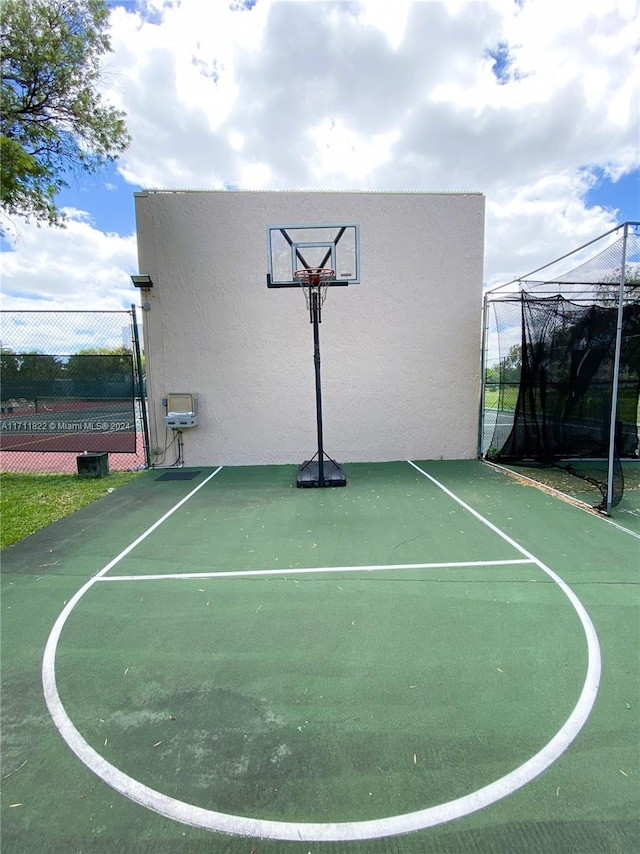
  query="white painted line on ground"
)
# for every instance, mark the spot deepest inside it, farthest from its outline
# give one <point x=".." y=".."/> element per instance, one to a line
<point x="575" y="502"/>
<point x="332" y="831"/>
<point x="155" y="525"/>
<point x="619" y="526"/>
<point x="247" y="573"/>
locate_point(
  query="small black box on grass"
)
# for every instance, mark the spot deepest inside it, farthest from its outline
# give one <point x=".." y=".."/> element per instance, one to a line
<point x="93" y="465"/>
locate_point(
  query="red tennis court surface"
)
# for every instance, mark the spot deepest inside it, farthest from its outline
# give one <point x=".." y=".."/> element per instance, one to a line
<point x="61" y="462"/>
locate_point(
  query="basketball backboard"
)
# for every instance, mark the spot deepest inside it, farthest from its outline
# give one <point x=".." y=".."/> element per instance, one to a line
<point x="295" y="247"/>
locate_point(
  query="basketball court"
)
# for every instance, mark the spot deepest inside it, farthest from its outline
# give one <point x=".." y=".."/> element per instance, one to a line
<point x="436" y="658"/>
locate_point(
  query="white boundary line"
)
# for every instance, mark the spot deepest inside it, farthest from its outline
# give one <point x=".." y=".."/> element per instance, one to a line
<point x="310" y="570"/>
<point x="339" y="831"/>
<point x="575" y="502"/>
<point x="150" y="530"/>
<point x="621" y="527"/>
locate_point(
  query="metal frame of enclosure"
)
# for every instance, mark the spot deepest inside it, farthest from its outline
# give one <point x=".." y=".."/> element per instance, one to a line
<point x="602" y="275"/>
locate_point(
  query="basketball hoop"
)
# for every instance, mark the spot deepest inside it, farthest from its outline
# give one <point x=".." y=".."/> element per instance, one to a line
<point x="311" y="249"/>
<point x="315" y="280"/>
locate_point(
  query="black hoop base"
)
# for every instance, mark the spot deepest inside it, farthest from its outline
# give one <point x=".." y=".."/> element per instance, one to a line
<point x="309" y="474"/>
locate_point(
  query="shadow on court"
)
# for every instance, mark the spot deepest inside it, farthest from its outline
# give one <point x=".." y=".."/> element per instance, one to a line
<point x="409" y="664"/>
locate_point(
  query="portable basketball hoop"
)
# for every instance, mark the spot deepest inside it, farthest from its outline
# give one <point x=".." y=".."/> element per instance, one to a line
<point x="315" y="258"/>
<point x="321" y="470"/>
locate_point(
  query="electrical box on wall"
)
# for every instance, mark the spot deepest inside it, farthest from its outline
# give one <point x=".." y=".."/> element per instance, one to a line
<point x="182" y="410"/>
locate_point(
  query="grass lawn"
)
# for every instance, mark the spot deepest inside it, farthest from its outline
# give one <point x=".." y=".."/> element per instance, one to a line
<point x="509" y="399"/>
<point x="29" y="502"/>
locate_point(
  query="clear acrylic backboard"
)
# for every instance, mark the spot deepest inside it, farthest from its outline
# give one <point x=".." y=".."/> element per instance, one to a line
<point x="295" y="247"/>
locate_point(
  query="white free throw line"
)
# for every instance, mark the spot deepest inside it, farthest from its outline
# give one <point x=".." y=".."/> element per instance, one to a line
<point x="245" y="573"/>
<point x="331" y="831"/>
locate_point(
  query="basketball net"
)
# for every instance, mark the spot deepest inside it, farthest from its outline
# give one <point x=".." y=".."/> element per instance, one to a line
<point x="315" y="280"/>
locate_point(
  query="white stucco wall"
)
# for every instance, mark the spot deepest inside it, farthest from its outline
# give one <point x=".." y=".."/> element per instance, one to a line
<point x="400" y="350"/>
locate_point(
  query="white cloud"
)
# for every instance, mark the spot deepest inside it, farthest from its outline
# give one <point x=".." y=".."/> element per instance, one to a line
<point x="256" y="175"/>
<point x="372" y="95"/>
<point x="75" y="268"/>
<point x="534" y="224"/>
<point x="389" y="18"/>
<point x="341" y="156"/>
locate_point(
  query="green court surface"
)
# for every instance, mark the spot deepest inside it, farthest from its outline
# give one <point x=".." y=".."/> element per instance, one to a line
<point x="435" y="658"/>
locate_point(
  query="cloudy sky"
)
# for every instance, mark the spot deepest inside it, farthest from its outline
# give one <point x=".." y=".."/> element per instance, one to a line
<point x="535" y="103"/>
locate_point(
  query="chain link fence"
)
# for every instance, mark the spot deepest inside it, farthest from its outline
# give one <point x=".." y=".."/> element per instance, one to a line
<point x="71" y="385"/>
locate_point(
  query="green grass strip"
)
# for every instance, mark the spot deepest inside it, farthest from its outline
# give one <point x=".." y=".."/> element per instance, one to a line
<point x="29" y="502"/>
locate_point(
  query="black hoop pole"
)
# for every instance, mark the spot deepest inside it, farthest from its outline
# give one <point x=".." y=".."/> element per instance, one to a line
<point x="315" y="314"/>
<point x="322" y="472"/>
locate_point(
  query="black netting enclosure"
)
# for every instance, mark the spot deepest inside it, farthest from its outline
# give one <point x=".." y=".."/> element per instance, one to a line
<point x="562" y="366"/>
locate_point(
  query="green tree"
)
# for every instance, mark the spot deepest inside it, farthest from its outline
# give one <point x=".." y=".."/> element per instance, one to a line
<point x="508" y="368"/>
<point x="38" y="366"/>
<point x="9" y="364"/>
<point x="54" y="122"/>
<point x="28" y="375"/>
<point x="107" y="363"/>
<point x="607" y="289"/>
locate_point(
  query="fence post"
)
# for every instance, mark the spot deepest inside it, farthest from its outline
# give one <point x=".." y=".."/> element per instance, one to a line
<point x="616" y="372"/>
<point x="483" y="373"/>
<point x="141" y="387"/>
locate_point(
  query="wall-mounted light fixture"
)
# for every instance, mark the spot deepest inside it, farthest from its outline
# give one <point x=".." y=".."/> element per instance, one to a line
<point x="143" y="282"/>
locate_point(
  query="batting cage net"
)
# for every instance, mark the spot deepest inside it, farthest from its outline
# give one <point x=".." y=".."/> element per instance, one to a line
<point x="562" y="367"/>
<point x="70" y="386"/>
